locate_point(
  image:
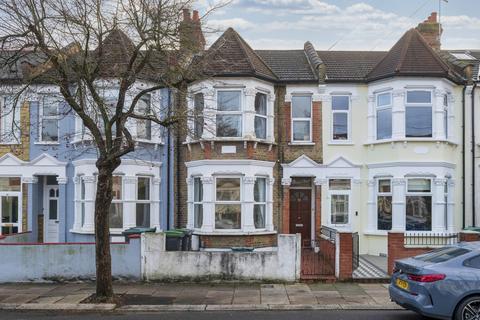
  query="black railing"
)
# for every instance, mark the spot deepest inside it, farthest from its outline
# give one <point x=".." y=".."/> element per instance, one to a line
<point x="330" y="233"/>
<point x="430" y="239"/>
<point x="355" y="251"/>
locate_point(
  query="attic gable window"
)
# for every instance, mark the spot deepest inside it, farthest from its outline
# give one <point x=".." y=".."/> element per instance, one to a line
<point x="229" y="113"/>
<point x="418" y="114"/>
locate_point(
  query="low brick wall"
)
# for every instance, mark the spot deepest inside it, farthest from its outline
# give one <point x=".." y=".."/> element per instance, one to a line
<point x="344" y="256"/>
<point x="469" y="236"/>
<point x="227" y="242"/>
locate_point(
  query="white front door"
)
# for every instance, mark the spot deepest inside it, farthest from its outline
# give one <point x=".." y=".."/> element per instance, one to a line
<point x="51" y="222"/>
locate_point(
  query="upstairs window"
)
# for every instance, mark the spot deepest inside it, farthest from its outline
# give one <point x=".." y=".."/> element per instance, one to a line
<point x="301" y="118"/>
<point x="229" y="113"/>
<point x="49" y="116"/>
<point x="340" y="118"/>
<point x="9" y="120"/>
<point x="261" y="116"/>
<point x="384" y="116"/>
<point x="445" y="115"/>
<point x="418" y="114"/>
<point x="144" y="127"/>
<point x="198" y="120"/>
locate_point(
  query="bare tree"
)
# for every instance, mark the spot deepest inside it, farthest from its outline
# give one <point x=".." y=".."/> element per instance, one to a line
<point x="75" y="45"/>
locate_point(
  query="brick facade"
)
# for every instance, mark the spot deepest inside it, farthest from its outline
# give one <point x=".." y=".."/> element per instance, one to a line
<point x="345" y="261"/>
<point x="227" y="242"/>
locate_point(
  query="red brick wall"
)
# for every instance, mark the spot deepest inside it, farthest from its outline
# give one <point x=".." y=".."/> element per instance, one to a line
<point x="317" y="122"/>
<point x="469" y="237"/>
<point x="397" y="250"/>
<point x="346" y="252"/>
<point x="286" y="210"/>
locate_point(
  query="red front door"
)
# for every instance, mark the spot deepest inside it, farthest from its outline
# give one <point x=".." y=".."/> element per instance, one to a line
<point x="301" y="213"/>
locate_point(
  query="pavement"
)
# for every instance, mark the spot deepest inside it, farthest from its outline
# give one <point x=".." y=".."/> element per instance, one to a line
<point x="154" y="297"/>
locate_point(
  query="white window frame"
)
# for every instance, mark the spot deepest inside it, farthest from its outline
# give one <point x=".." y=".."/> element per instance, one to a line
<point x="263" y="203"/>
<point x="239" y="112"/>
<point x="239" y="202"/>
<point x="333" y="192"/>
<point x="419" y="104"/>
<point x="197" y="116"/>
<point x="42" y="117"/>
<point x="261" y="115"/>
<point x="420" y="194"/>
<point x="143" y="201"/>
<point x="349" y="119"/>
<point x="17" y="194"/>
<point x="382" y="108"/>
<point x="6" y="120"/>
<point x="446" y="115"/>
<point x="382" y="194"/>
<point x="198" y="203"/>
<point x="301" y="119"/>
<point x="82" y="193"/>
<point x="121" y="201"/>
<point x="140" y="121"/>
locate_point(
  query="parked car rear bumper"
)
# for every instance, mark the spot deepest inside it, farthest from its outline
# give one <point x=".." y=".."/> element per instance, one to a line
<point x="411" y="302"/>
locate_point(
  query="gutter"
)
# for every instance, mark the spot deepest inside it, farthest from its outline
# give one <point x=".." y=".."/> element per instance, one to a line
<point x="463" y="155"/>
<point x="474" y="145"/>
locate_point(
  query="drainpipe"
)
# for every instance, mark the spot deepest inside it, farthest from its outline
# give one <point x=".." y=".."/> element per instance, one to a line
<point x="168" y="161"/>
<point x="473" y="153"/>
<point x="463" y="155"/>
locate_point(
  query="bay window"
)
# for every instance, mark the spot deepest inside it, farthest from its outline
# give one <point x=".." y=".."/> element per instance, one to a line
<point x="419" y="204"/>
<point x="418" y="114"/>
<point x="339" y="192"/>
<point x="261" y="116"/>
<point x="340" y="117"/>
<point x="197" y="202"/>
<point x="228" y="205"/>
<point x="445" y="115"/>
<point x="260" y="202"/>
<point x="198" y="120"/>
<point x="301" y="118"/>
<point x="384" y="116"/>
<point x="82" y="202"/>
<point x="384" y="204"/>
<point x="144" y="127"/>
<point x="116" y="207"/>
<point x="143" y="202"/>
<point x="10" y="206"/>
<point x="229" y="113"/>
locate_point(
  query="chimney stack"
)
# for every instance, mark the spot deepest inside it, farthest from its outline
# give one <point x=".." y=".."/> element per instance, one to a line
<point x="195" y="16"/>
<point x="431" y="30"/>
<point x="186" y="15"/>
<point x="191" y="34"/>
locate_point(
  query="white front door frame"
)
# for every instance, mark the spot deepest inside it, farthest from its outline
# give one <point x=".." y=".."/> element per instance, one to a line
<point x="51" y="221"/>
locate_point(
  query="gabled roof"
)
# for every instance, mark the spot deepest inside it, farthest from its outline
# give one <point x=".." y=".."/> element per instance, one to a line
<point x="230" y="55"/>
<point x="411" y="56"/>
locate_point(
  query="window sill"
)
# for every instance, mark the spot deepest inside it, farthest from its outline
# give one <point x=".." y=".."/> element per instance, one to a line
<point x="233" y="233"/>
<point x="113" y="232"/>
<point x="148" y="141"/>
<point x="235" y="139"/>
<point x="406" y="140"/>
<point x="341" y="143"/>
<point x="301" y="143"/>
<point x="376" y="233"/>
<point x="45" y="143"/>
<point x="10" y="144"/>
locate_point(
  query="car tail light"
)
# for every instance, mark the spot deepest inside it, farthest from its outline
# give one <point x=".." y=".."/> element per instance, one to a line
<point x="426" y="277"/>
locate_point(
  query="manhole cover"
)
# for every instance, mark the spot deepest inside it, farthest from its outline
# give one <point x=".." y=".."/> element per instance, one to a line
<point x="143" y="299"/>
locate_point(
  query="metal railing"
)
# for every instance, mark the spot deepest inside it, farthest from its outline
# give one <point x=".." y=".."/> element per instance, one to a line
<point x="429" y="239"/>
<point x="330" y="233"/>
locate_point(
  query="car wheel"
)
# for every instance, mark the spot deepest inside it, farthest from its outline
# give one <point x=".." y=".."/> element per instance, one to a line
<point x="469" y="309"/>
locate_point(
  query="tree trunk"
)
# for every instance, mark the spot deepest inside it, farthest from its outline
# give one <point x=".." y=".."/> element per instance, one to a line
<point x="103" y="199"/>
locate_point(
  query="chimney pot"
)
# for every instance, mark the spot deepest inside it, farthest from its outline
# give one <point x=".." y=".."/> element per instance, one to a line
<point x="186" y="15"/>
<point x="196" y="16"/>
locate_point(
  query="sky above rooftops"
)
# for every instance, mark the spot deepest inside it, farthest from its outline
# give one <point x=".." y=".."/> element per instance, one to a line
<point x="342" y="24"/>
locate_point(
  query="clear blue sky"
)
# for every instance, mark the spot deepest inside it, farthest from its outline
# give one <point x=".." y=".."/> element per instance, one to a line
<point x="343" y="24"/>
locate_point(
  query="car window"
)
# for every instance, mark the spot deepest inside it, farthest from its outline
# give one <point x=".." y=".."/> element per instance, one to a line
<point x="442" y="254"/>
<point x="473" y="262"/>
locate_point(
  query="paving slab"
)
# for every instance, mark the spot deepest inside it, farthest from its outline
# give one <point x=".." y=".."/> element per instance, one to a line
<point x="246" y="296"/>
<point x="75" y="298"/>
<point x="273" y="294"/>
<point x="219" y="297"/>
<point x="20" y="298"/>
<point x="47" y="299"/>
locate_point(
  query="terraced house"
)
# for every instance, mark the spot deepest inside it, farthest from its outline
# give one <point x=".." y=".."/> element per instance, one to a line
<point x="288" y="141"/>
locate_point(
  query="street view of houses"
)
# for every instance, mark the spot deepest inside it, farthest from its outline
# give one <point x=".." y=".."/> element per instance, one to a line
<point x="165" y="158"/>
